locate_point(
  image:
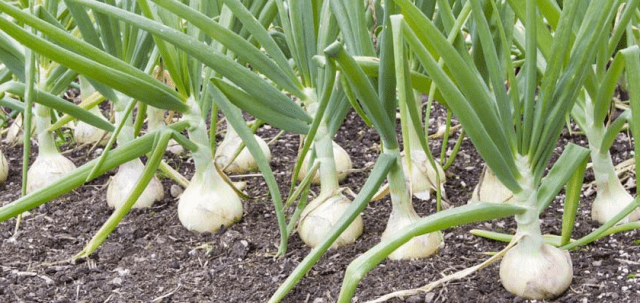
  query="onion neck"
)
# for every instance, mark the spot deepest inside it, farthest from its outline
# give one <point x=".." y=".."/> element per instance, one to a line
<point x="127" y="131"/>
<point x="324" y="152"/>
<point x="398" y="189"/>
<point x="604" y="171"/>
<point x="197" y="130"/>
<point x="46" y="143"/>
<point x="528" y="222"/>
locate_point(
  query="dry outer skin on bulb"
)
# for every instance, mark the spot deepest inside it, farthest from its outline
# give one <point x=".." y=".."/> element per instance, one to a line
<point x="490" y="189"/>
<point x="4" y="167"/>
<point x="319" y="217"/>
<point x="125" y="179"/>
<point x="208" y="203"/>
<point x="342" y="160"/>
<point x="244" y="162"/>
<point x="423" y="175"/>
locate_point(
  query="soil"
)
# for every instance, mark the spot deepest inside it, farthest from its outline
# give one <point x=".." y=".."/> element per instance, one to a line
<point x="150" y="257"/>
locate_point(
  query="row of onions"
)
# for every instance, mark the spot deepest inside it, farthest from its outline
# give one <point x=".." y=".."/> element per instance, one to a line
<point x="300" y="66"/>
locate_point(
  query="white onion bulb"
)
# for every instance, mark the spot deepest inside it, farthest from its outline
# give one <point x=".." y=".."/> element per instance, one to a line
<point x="15" y="131"/>
<point x="208" y="203"/>
<point x="4" y="168"/>
<point x="125" y="179"/>
<point x="490" y="189"/>
<point x="319" y="217"/>
<point x="538" y="275"/>
<point x="47" y="167"/>
<point x="244" y="162"/>
<point x="423" y="175"/>
<point x="342" y="160"/>
<point x="610" y="200"/>
<point x="418" y="247"/>
<point x="88" y="134"/>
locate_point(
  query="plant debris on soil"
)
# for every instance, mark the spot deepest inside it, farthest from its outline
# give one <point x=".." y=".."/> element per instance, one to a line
<point x="150" y="257"/>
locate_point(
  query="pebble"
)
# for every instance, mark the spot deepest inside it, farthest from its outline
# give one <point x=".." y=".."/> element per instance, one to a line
<point x="116" y="281"/>
<point x="176" y="190"/>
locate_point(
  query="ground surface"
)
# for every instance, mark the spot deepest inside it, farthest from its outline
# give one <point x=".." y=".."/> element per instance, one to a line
<point x="151" y="258"/>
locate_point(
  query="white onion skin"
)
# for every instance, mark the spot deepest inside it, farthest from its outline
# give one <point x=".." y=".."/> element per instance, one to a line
<point x="342" y="160"/>
<point x="125" y="179"/>
<point x="244" y="162"/>
<point x="319" y="217"/>
<point x="15" y="134"/>
<point x="611" y="196"/>
<point x="418" y="247"/>
<point x="490" y="189"/>
<point x="47" y="167"/>
<point x="609" y="202"/>
<point x="208" y="203"/>
<point x="423" y="175"/>
<point x="537" y="275"/>
<point x="85" y="133"/>
<point x="4" y="167"/>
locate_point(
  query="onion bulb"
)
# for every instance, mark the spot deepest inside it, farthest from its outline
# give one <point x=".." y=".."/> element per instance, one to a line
<point x="418" y="247"/>
<point x="125" y="179"/>
<point x="423" y="176"/>
<point x="610" y="200"/>
<point x="208" y="202"/>
<point x="342" y="160"/>
<point x="536" y="274"/>
<point x="48" y="167"/>
<point x="15" y="131"/>
<point x="319" y="217"/>
<point x="611" y="196"/>
<point x="88" y="134"/>
<point x="4" y="168"/>
<point x="244" y="162"/>
<point x="490" y="189"/>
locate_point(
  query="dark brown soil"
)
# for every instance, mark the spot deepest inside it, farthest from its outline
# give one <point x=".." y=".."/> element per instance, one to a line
<point x="150" y="257"/>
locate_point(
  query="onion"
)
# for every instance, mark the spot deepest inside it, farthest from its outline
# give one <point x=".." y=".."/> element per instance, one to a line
<point x="125" y="179"/>
<point x="611" y="196"/>
<point x="342" y="160"/>
<point x="537" y="274"/>
<point x="319" y="217"/>
<point x="15" y="132"/>
<point x="244" y="162"/>
<point x="208" y="203"/>
<point x="423" y="176"/>
<point x="610" y="200"/>
<point x="4" y="168"/>
<point x="490" y="189"/>
<point x="418" y="247"/>
<point x="48" y="167"/>
<point x="88" y="134"/>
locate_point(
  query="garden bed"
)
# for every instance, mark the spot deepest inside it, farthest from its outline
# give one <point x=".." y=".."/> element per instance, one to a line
<point x="150" y="257"/>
